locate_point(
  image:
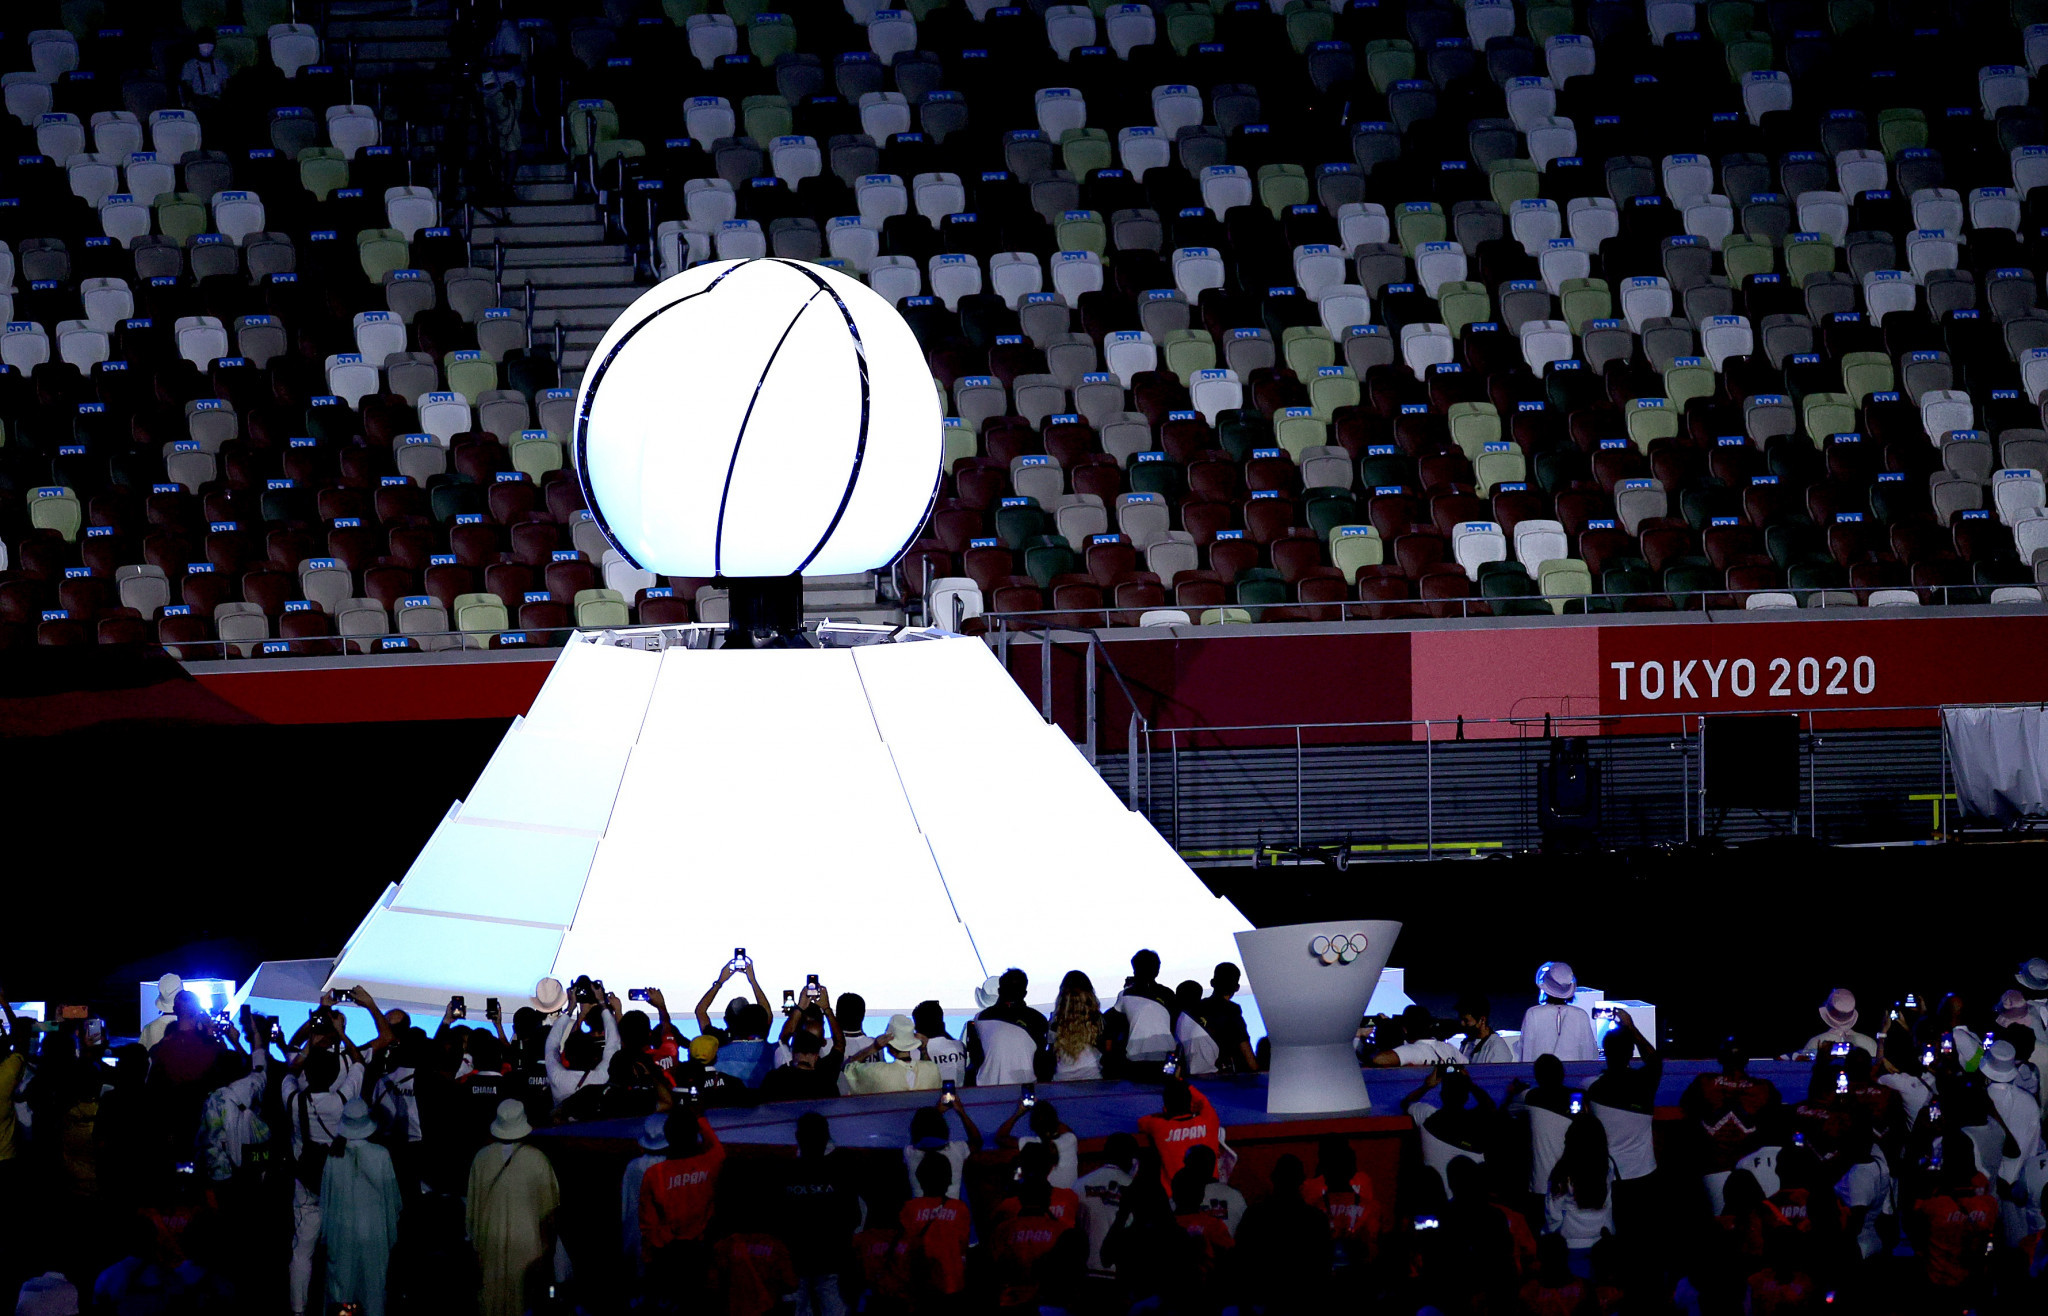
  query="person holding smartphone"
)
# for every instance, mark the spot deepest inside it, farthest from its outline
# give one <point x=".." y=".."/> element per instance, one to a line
<point x="577" y="1059"/>
<point x="1625" y="1100"/>
<point x="929" y="1136"/>
<point x="743" y="1050"/>
<point x="1838" y="1012"/>
<point x="813" y="1015"/>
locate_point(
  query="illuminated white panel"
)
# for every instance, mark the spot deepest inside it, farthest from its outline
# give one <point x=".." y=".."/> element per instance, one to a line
<point x="595" y="692"/>
<point x="807" y="701"/>
<point x="929" y="698"/>
<point x="868" y="916"/>
<point x="425" y="957"/>
<point x="548" y="781"/>
<point x="499" y="872"/>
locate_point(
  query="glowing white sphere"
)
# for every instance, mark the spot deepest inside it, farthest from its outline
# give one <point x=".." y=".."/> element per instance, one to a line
<point x="757" y="418"/>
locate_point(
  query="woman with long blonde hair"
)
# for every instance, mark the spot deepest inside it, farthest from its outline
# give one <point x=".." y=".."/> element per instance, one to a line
<point x="1076" y="1030"/>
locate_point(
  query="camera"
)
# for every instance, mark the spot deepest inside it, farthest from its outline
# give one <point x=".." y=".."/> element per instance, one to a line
<point x="458" y="1008"/>
<point x="586" y="991"/>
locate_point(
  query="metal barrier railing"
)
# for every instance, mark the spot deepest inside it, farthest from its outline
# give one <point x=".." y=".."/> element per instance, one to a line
<point x="1412" y="609"/>
<point x="1307" y="740"/>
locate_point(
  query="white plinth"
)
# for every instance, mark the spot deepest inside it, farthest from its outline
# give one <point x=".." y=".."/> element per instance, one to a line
<point x="1312" y="1011"/>
<point x="896" y="818"/>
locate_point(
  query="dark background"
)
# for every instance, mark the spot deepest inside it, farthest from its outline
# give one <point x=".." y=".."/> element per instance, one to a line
<point x="137" y="847"/>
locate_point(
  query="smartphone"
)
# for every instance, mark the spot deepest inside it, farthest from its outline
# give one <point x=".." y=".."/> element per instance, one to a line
<point x="1798" y="1140"/>
<point x="1170" y="1067"/>
<point x="1841" y="1082"/>
<point x="636" y="993"/>
<point x="1578" y="1103"/>
<point x="458" y="1007"/>
<point x="1838" y="1050"/>
<point x="1425" y="1222"/>
<point x="788" y="1002"/>
<point x="947" y="1095"/>
<point x="1603" y="1011"/>
<point x="1912" y="1001"/>
<point x="491" y="1007"/>
<point x="1934" y="1113"/>
<point x="74" y="1012"/>
<point x="1927" y="1057"/>
<point x="811" y="984"/>
<point x="1948" y="1044"/>
<point x="691" y="1092"/>
<point x="739" y="959"/>
<point x="1030" y="1098"/>
<point x="1895" y="1014"/>
<point x="188" y="1167"/>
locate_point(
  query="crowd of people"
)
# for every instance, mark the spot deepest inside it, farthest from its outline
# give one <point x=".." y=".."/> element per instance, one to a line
<point x="227" y="1165"/>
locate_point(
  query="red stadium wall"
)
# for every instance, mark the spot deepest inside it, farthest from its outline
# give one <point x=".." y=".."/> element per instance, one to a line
<point x="1599" y="677"/>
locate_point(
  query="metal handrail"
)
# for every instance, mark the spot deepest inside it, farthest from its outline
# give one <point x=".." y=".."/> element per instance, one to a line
<point x="1281" y="734"/>
<point x="1359" y="610"/>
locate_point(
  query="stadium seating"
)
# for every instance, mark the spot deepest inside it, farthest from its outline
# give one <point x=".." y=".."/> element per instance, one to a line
<point x="1240" y="311"/>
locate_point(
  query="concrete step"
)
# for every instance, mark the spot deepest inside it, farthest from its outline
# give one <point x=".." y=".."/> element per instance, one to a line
<point x="386" y="27"/>
<point x="538" y="235"/>
<point x="614" y="292"/>
<point x="871" y="616"/>
<point x="593" y="318"/>
<point x="548" y="171"/>
<point x="820" y="599"/>
<point x="569" y="275"/>
<point x="863" y="579"/>
<point x="584" y="213"/>
<point x="545" y="193"/>
<point x="579" y="254"/>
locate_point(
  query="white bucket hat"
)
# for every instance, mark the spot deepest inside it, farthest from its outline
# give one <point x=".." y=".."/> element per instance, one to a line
<point x="988" y="993"/>
<point x="901" y="1034"/>
<point x="1838" y="1012"/>
<point x="549" y="996"/>
<point x="356" y="1121"/>
<point x="167" y="989"/>
<point x="2033" y="975"/>
<point x="1557" y="979"/>
<point x="511" y="1124"/>
<point x="654" y="1134"/>
<point x="2000" y="1063"/>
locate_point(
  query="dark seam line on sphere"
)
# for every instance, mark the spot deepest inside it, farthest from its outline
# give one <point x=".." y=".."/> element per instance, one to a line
<point x="860" y="446"/>
<point x="740" y="437"/>
<point x="938" y="482"/>
<point x="590" y="396"/>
